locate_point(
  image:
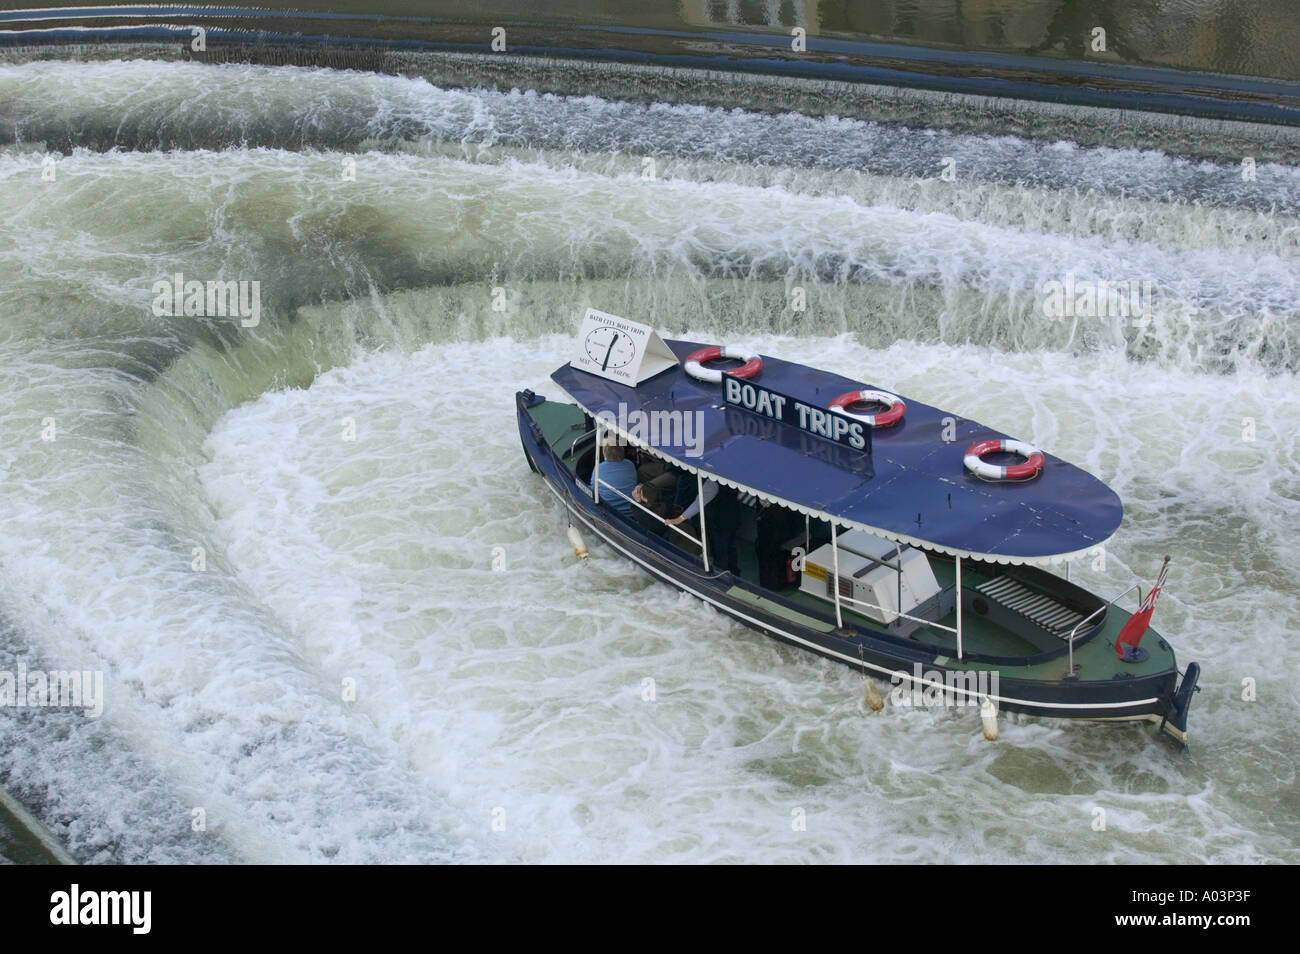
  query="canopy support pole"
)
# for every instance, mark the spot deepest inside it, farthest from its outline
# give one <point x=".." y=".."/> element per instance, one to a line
<point x="595" y="468"/>
<point x="898" y="575"/>
<point x="835" y="585"/>
<point x="704" y="536"/>
<point x="959" y="648"/>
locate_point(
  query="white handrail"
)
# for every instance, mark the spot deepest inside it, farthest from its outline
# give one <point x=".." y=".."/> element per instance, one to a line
<point x="595" y="468"/>
<point x="835" y="556"/>
<point x="959" y="646"/>
<point x="608" y="486"/>
<point x="886" y="609"/>
<point x="704" y="531"/>
<point x="578" y="440"/>
<point x="1099" y="609"/>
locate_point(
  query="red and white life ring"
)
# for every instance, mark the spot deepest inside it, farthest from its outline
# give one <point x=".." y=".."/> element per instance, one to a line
<point x="895" y="407"/>
<point x="975" y="464"/>
<point x="695" y="367"/>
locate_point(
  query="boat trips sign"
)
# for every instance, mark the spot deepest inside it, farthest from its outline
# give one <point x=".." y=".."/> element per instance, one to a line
<point x="621" y="350"/>
<point x="781" y="407"/>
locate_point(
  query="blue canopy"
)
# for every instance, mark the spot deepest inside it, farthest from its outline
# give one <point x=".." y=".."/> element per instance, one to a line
<point x="907" y="484"/>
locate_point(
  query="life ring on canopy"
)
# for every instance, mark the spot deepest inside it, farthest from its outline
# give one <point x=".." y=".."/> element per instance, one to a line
<point x="976" y="465"/>
<point x="895" y="407"/>
<point x="695" y="367"/>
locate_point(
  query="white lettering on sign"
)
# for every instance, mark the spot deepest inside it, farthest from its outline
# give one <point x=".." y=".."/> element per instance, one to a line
<point x="834" y="427"/>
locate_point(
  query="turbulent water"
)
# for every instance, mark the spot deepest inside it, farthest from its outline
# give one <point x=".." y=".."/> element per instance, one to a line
<point x="335" y="611"/>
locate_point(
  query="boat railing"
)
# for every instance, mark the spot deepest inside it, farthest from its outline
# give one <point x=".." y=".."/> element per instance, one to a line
<point x="840" y="598"/>
<point x="885" y="609"/>
<point x="606" y="486"/>
<point x="1083" y="622"/>
<point x="581" y="438"/>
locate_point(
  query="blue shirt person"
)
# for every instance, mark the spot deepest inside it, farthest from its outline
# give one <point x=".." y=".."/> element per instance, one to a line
<point x="620" y="473"/>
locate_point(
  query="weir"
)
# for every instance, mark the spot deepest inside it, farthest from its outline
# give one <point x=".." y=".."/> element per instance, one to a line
<point x="1217" y="133"/>
<point x="1035" y="53"/>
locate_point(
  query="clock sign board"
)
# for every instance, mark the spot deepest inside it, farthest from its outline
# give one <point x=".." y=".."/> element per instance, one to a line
<point x="621" y="350"/>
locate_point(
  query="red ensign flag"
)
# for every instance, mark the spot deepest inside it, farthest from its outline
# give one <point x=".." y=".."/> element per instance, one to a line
<point x="1136" y="627"/>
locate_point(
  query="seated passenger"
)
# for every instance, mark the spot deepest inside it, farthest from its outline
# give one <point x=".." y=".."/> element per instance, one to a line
<point x="620" y="473"/>
<point x="666" y="484"/>
<point x="648" y="466"/>
<point x="647" y="495"/>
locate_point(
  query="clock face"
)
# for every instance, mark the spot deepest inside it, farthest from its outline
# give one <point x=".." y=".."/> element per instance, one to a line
<point x="610" y="348"/>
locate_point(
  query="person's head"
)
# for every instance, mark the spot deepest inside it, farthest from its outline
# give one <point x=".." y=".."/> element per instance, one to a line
<point x="647" y="494"/>
<point x="614" y="452"/>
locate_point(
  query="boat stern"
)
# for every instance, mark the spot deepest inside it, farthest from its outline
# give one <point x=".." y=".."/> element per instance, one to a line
<point x="1174" y="724"/>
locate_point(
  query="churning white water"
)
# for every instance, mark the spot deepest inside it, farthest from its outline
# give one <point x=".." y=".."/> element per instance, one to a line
<point x="338" y="615"/>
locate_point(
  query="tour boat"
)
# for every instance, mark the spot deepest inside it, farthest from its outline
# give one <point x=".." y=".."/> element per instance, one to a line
<point x="905" y="541"/>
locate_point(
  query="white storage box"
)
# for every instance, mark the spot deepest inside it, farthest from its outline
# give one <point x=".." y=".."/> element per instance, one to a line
<point x="867" y="573"/>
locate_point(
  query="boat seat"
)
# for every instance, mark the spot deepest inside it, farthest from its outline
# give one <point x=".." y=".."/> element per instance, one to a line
<point x="1039" y="608"/>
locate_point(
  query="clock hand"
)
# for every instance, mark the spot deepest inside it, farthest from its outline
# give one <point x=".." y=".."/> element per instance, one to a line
<point x="610" y="351"/>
